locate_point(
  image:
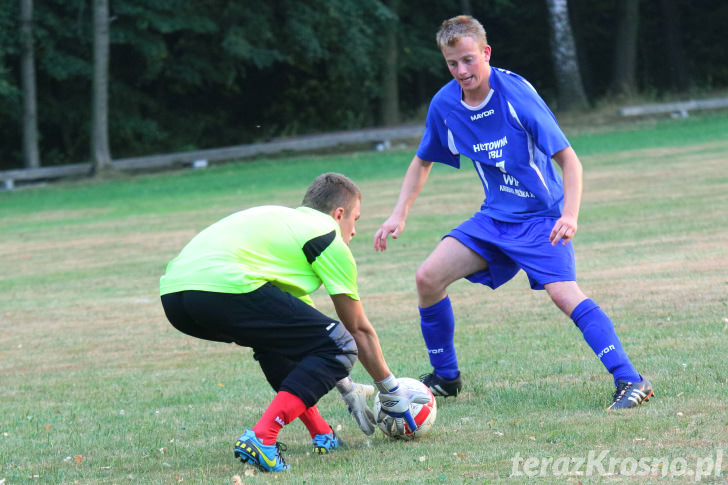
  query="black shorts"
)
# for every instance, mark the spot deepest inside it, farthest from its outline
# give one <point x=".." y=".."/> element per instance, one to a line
<point x="286" y="334"/>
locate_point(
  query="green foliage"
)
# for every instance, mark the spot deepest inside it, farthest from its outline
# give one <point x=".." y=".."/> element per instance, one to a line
<point x="10" y="94"/>
<point x="211" y="73"/>
<point x="63" y="41"/>
<point x="9" y="40"/>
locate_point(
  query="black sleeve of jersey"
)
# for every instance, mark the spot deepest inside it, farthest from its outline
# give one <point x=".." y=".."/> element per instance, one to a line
<point x="317" y="245"/>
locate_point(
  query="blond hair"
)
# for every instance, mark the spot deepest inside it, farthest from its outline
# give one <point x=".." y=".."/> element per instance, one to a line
<point x="452" y="30"/>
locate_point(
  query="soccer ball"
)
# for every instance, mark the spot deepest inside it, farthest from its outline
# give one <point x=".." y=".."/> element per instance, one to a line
<point x="424" y="414"/>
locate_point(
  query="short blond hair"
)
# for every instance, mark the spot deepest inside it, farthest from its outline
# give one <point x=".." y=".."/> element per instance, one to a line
<point x="452" y="30"/>
<point x="332" y="190"/>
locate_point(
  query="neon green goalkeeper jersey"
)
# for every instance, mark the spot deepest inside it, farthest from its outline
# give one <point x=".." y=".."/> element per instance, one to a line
<point x="295" y="249"/>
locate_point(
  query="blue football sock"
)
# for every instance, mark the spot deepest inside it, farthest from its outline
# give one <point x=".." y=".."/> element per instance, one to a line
<point x="598" y="331"/>
<point x="438" y="329"/>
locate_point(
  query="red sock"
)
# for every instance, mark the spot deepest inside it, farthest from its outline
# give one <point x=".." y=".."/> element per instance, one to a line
<point x="315" y="423"/>
<point x="285" y="408"/>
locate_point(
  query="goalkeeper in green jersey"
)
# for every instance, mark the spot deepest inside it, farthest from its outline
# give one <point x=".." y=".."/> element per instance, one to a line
<point x="247" y="278"/>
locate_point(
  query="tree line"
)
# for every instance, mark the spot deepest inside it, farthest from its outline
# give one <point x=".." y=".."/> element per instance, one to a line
<point x="92" y="80"/>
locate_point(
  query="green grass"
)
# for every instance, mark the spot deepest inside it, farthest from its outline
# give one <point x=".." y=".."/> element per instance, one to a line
<point x="96" y="386"/>
<point x="652" y="134"/>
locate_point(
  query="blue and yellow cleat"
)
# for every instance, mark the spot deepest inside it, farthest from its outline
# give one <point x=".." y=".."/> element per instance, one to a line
<point x="324" y="443"/>
<point x="267" y="458"/>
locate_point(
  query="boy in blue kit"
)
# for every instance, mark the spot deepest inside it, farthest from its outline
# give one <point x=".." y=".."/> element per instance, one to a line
<point x="528" y="217"/>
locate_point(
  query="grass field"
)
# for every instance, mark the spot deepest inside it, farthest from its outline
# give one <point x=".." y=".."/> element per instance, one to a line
<point x="96" y="386"/>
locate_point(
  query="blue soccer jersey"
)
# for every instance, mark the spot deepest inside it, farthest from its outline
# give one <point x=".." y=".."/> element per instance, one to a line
<point x="510" y="138"/>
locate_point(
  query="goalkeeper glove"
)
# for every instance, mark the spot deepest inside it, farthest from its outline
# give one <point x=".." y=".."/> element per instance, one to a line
<point x="355" y="396"/>
<point x="396" y="401"/>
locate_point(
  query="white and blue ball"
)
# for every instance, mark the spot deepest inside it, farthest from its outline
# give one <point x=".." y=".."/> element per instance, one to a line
<point x="423" y="414"/>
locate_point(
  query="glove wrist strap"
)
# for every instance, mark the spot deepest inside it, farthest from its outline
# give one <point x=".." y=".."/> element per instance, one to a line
<point x="388" y="384"/>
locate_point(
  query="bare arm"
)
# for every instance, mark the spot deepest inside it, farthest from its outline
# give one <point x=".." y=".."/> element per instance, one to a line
<point x="412" y="184"/>
<point x="351" y="314"/>
<point x="565" y="228"/>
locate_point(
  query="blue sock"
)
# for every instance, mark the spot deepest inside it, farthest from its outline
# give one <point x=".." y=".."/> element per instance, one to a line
<point x="438" y="329"/>
<point x="598" y="331"/>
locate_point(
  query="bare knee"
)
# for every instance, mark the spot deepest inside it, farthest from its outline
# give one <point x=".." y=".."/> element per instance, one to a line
<point x="429" y="289"/>
<point x="450" y="261"/>
<point x="566" y="295"/>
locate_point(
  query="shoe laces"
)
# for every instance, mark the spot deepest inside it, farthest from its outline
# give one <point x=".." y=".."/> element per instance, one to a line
<point x="427" y="379"/>
<point x="323" y="439"/>
<point x="621" y="388"/>
<point x="281" y="447"/>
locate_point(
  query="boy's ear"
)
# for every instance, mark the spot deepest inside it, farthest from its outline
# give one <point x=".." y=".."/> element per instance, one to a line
<point x="338" y="213"/>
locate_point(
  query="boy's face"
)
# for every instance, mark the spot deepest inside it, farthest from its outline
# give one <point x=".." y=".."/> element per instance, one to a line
<point x="347" y="221"/>
<point x="468" y="62"/>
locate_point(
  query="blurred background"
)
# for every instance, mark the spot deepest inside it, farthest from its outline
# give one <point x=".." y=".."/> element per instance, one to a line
<point x="172" y="75"/>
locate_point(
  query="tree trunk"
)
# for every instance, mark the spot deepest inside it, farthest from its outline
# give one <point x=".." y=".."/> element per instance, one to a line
<point x="389" y="107"/>
<point x="566" y="66"/>
<point x="625" y="47"/>
<point x="30" y="107"/>
<point x="677" y="66"/>
<point x="101" y="156"/>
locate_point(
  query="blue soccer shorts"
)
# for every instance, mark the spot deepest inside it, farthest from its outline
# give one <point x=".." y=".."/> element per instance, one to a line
<point x="511" y="246"/>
